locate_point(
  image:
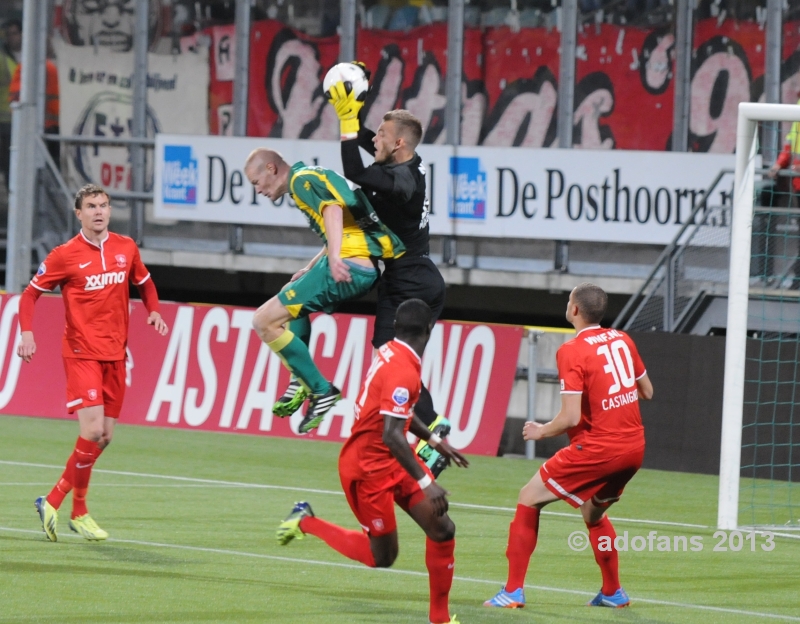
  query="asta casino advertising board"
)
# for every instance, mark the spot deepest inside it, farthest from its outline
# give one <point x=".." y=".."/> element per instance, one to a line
<point x="591" y="195"/>
<point x="212" y="373"/>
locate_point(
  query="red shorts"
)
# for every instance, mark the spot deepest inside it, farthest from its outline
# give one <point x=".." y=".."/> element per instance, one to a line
<point x="575" y="476"/>
<point x="372" y="499"/>
<point x="91" y="383"/>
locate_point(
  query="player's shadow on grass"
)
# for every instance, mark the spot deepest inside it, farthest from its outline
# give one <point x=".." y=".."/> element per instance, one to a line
<point x="281" y="588"/>
<point x="21" y="567"/>
<point x="577" y="614"/>
<point x="124" y="554"/>
<point x="203" y="615"/>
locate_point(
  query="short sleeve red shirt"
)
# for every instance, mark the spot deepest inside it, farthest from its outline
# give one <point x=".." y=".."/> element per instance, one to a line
<point x="603" y="366"/>
<point x="391" y="388"/>
<point x="94" y="285"/>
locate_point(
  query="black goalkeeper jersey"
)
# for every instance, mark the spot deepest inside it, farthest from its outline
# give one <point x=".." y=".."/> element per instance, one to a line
<point x="396" y="192"/>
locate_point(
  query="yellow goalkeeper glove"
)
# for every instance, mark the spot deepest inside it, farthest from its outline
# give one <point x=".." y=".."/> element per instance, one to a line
<point x="347" y="108"/>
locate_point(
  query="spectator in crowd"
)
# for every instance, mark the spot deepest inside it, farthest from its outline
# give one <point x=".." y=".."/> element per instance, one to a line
<point x="734" y="9"/>
<point x="52" y="105"/>
<point x="786" y="192"/>
<point x="9" y="58"/>
<point x="13" y="39"/>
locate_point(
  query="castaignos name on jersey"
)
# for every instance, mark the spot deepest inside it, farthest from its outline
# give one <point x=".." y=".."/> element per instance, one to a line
<point x="621" y="399"/>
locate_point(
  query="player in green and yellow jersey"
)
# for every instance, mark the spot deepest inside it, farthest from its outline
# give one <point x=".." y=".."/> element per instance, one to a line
<point x="354" y="240"/>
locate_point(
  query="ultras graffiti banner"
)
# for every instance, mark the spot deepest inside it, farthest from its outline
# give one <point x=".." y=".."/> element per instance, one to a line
<point x="623" y="92"/>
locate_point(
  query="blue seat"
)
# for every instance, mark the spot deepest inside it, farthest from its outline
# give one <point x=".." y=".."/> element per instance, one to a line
<point x="531" y="18"/>
<point x="472" y="16"/>
<point x="495" y="17"/>
<point x="377" y="16"/>
<point x="404" y="18"/>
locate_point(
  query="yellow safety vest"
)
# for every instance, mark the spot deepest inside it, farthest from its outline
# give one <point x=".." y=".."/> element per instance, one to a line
<point x="7" y="67"/>
<point x="793" y="138"/>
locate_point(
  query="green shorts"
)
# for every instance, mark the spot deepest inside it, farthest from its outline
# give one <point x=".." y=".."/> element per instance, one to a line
<point x="316" y="290"/>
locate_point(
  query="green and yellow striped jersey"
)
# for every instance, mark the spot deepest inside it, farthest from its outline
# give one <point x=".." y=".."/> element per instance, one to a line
<point x="363" y="234"/>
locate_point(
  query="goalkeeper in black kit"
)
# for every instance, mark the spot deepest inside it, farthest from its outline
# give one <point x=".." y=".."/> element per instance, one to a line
<point x="395" y="186"/>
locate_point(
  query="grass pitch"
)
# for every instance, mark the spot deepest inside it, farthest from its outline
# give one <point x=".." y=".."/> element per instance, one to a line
<point x="192" y="518"/>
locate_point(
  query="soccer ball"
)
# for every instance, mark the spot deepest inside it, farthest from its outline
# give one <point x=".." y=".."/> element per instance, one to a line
<point x="354" y="78"/>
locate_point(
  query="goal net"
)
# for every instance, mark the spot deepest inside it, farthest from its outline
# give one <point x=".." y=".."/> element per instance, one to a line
<point x="760" y="452"/>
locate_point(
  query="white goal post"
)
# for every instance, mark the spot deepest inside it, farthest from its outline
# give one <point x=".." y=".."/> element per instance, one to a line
<point x="738" y="295"/>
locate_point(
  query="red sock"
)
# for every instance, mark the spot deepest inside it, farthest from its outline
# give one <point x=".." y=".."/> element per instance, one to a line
<point x="86" y="452"/>
<point x="60" y="490"/>
<point x="352" y="544"/>
<point x="522" y="535"/>
<point x="607" y="559"/>
<point x="440" y="562"/>
<point x="64" y="485"/>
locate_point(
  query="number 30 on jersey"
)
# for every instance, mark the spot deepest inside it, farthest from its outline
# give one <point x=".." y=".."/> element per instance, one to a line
<point x="619" y="364"/>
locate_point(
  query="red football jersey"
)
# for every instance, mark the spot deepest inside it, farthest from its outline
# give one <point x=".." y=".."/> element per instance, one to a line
<point x="603" y="366"/>
<point x="391" y="388"/>
<point x="94" y="285"/>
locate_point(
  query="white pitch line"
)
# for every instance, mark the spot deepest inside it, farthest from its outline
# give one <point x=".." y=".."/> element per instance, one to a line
<point x="288" y="488"/>
<point x="45" y="484"/>
<point x="463" y="579"/>
<point x="187" y="479"/>
<point x="137" y="485"/>
<point x="578" y="516"/>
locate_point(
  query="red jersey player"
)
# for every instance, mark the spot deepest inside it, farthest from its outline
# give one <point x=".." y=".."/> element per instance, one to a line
<point x="93" y="270"/>
<point x="378" y="468"/>
<point x="602" y="379"/>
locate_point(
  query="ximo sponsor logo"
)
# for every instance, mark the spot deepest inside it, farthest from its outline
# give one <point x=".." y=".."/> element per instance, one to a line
<point x="97" y="282"/>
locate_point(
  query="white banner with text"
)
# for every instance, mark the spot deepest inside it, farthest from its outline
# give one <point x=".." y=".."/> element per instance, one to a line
<point x="607" y="196"/>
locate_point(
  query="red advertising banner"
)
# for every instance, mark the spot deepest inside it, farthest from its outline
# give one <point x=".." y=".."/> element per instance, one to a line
<point x="213" y="373"/>
<point x="623" y="93"/>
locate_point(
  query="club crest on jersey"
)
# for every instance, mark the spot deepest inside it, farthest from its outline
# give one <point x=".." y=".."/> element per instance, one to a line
<point x="92" y="394"/>
<point x="122" y="261"/>
<point x="378" y="524"/>
<point x="400" y="396"/>
<point x="41" y="270"/>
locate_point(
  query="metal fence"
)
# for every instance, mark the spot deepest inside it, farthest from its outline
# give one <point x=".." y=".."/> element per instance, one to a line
<point x="691" y="269"/>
